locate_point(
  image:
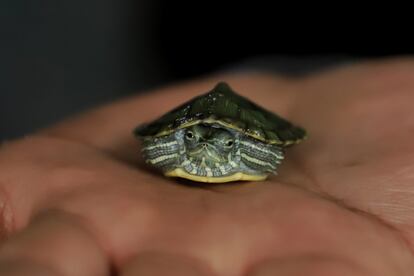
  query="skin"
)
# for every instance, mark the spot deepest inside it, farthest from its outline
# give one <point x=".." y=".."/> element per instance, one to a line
<point x="77" y="200"/>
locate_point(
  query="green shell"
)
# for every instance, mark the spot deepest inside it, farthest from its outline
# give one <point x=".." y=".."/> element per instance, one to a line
<point x="224" y="107"/>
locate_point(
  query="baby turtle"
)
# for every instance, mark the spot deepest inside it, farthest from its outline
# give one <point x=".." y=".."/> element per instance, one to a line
<point x="218" y="137"/>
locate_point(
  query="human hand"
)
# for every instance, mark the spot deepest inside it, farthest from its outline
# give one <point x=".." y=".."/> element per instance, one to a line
<point x="77" y="200"/>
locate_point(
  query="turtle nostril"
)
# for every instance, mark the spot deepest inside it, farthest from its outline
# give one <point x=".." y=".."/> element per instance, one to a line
<point x="204" y="145"/>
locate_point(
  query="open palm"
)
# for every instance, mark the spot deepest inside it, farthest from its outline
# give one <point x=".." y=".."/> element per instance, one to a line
<point x="77" y="200"/>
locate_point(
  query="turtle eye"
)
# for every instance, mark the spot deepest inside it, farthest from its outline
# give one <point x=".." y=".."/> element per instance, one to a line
<point x="189" y="135"/>
<point x="229" y="143"/>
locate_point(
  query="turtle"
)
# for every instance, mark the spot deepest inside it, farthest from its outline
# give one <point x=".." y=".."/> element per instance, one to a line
<point x="218" y="137"/>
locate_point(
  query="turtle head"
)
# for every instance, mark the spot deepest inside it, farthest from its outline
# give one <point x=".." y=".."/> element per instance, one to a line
<point x="209" y="143"/>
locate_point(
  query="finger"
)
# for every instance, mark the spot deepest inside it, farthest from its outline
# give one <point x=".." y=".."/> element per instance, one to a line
<point x="24" y="268"/>
<point x="160" y="264"/>
<point x="53" y="244"/>
<point x="312" y="266"/>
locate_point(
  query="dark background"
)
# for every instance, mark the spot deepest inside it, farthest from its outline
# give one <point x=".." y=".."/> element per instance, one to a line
<point x="61" y="57"/>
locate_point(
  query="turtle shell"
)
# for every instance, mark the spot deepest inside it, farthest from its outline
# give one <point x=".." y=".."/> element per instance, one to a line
<point x="224" y="107"/>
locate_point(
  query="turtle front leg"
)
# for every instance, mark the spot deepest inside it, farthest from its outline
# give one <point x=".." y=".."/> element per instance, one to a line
<point x="162" y="152"/>
<point x="259" y="158"/>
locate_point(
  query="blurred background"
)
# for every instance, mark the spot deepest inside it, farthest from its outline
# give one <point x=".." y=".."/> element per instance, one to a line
<point x="61" y="57"/>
